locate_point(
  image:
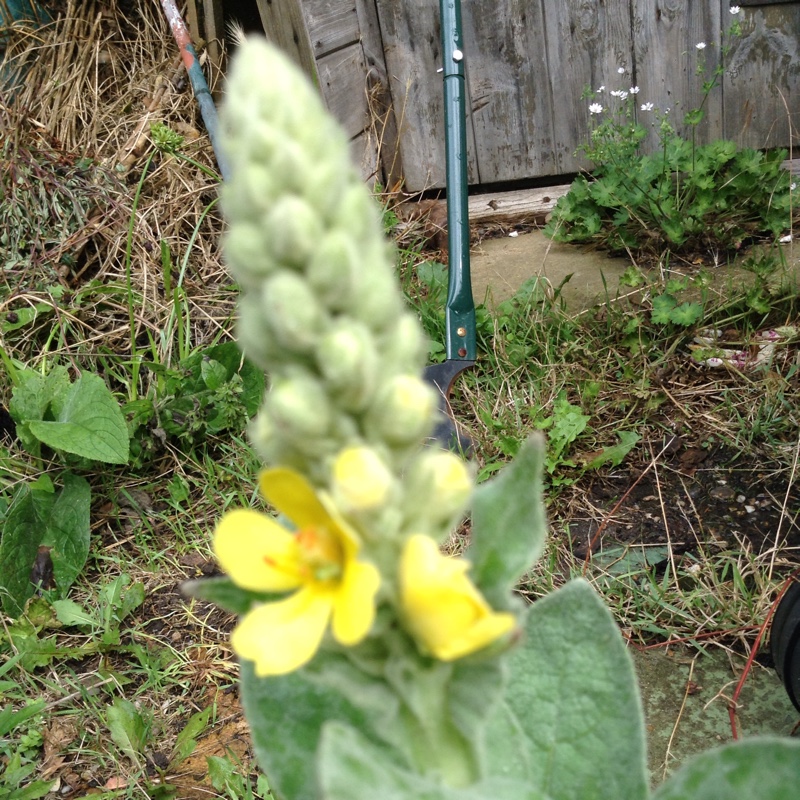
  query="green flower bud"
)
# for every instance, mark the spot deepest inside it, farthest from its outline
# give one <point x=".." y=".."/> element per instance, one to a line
<point x="333" y="269"/>
<point x="250" y="194"/>
<point x="299" y="407"/>
<point x="403" y="346"/>
<point x="292" y="229"/>
<point x="438" y="487"/>
<point x="403" y="409"/>
<point x="347" y="358"/>
<point x="291" y="312"/>
<point x="256" y="340"/>
<point x="249" y="259"/>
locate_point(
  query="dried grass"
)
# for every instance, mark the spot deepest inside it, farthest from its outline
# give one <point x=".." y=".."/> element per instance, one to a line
<point x="76" y="137"/>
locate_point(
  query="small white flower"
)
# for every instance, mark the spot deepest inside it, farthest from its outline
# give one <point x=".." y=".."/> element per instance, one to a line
<point x="734" y="10"/>
<point x="619" y="93"/>
<point x="634" y="90"/>
<point x="601" y="89"/>
<point x="701" y="45"/>
<point x="792" y="187"/>
<point x="621" y="70"/>
<point x="646" y="107"/>
<point x="595" y="108"/>
<point x="785" y="239"/>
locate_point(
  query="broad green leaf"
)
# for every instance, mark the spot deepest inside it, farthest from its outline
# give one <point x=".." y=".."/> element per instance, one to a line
<point x="662" y="307"/>
<point x="352" y="767"/>
<point x="70" y="613"/>
<point x="686" y="314"/>
<point x="214" y="374"/>
<point x="68" y="531"/>
<point x="23" y="532"/>
<point x="574" y="694"/>
<point x="756" y="769"/>
<point x="508" y="524"/>
<point x="89" y="423"/>
<point x="31" y="398"/>
<point x="286" y="716"/>
<point x="614" y="454"/>
<point x="127" y="727"/>
<point x="187" y="738"/>
<point x="59" y="521"/>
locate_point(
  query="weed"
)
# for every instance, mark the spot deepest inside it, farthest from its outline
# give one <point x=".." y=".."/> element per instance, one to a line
<point x="684" y="198"/>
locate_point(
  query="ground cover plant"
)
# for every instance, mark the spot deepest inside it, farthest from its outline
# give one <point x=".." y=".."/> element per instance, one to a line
<point x="117" y="683"/>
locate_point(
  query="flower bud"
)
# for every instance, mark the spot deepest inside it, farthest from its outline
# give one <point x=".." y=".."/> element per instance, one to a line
<point x="402" y="412"/>
<point x="438" y="487"/>
<point x="334" y="268"/>
<point x="361" y="481"/>
<point x="249" y="259"/>
<point x="292" y="230"/>
<point x="349" y="363"/>
<point x="299" y="407"/>
<point x="291" y="311"/>
<point x="404" y="345"/>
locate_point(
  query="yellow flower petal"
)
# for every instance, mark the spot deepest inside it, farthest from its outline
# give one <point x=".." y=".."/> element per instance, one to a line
<point x="293" y="496"/>
<point x="443" y="610"/>
<point x="281" y="637"/>
<point x="256" y="552"/>
<point x="354" y="604"/>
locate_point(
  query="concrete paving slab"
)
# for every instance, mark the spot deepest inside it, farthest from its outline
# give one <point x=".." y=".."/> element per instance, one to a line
<point x="685" y="700"/>
<point x="500" y="266"/>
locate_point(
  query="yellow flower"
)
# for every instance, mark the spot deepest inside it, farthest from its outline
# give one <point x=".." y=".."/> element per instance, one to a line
<point x="318" y="561"/>
<point x="443" y="610"/>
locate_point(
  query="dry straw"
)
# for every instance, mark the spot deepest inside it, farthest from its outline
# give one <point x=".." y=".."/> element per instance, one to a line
<point x="76" y="136"/>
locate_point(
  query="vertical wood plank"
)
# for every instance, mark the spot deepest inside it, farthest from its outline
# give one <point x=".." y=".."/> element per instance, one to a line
<point x="763" y="71"/>
<point x="332" y="24"/>
<point x="587" y="42"/>
<point x="667" y="62"/>
<point x="285" y="25"/>
<point x="215" y="31"/>
<point x="383" y="132"/>
<point x="412" y="51"/>
<point x="509" y="91"/>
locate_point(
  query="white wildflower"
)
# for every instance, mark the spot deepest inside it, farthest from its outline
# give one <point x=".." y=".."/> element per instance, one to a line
<point x="734" y="10"/>
<point x="621" y="70"/>
<point x="646" y="107"/>
<point x="701" y="45"/>
<point x="792" y="187"/>
<point x="601" y="89"/>
<point x="634" y="90"/>
<point x="619" y="93"/>
<point x="595" y="108"/>
<point x="785" y="239"/>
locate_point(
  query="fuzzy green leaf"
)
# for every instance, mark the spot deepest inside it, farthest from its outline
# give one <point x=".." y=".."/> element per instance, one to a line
<point x="508" y="524"/>
<point x="351" y="767"/>
<point x="767" y="769"/>
<point x="286" y="716"/>
<point x="89" y="423"/>
<point x="573" y="693"/>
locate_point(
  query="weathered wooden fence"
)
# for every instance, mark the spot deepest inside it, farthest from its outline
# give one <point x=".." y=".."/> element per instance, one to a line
<point x="529" y="63"/>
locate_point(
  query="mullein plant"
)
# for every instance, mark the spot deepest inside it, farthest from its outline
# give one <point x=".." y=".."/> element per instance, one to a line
<point x="371" y="664"/>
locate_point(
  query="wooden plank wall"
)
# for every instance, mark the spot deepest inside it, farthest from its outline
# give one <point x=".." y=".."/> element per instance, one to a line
<point x="529" y="63"/>
<point x="337" y="42"/>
